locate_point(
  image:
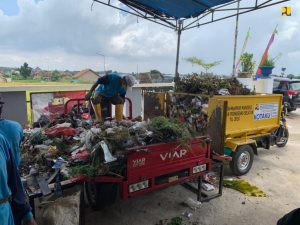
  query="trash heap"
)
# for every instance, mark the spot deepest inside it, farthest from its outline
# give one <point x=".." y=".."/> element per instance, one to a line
<point x="82" y="148"/>
<point x="211" y="85"/>
<point x="190" y="110"/>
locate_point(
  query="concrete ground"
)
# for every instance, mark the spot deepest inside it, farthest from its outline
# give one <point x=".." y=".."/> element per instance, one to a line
<point x="275" y="171"/>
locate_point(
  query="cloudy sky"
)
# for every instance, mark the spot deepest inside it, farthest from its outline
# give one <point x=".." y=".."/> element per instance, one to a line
<point x="56" y="34"/>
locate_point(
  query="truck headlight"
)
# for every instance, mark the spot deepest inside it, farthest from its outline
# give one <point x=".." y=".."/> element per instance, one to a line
<point x="199" y="168"/>
<point x="138" y="186"/>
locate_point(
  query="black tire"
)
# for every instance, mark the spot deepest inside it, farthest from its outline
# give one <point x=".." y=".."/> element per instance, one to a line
<point x="101" y="195"/>
<point x="284" y="139"/>
<point x="240" y="166"/>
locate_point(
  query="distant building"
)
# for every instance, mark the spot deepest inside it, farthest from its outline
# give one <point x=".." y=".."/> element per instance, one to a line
<point x="15" y="72"/>
<point x="3" y="79"/>
<point x="36" y="70"/>
<point x="86" y="75"/>
<point x="150" y="77"/>
<point x="42" y="75"/>
<point x="145" y="78"/>
<point x="66" y="75"/>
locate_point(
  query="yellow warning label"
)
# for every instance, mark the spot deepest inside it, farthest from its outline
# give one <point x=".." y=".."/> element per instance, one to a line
<point x="286" y="11"/>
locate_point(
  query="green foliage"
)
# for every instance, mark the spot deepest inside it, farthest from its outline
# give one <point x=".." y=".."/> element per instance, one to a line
<point x="268" y="62"/>
<point x="38" y="138"/>
<point x="176" y="221"/>
<point x="25" y="70"/>
<point x="291" y="76"/>
<point x="247" y="63"/>
<point x="154" y="71"/>
<point x="210" y="85"/>
<point x="55" y="76"/>
<point x="194" y="60"/>
<point x="165" y="130"/>
<point x="86" y="170"/>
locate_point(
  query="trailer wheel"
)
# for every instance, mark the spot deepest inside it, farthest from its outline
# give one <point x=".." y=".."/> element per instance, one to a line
<point x="284" y="139"/>
<point x="242" y="160"/>
<point x="100" y="195"/>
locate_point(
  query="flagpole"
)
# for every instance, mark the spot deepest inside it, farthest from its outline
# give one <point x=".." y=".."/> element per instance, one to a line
<point x="235" y="38"/>
<point x="265" y="54"/>
<point x="243" y="50"/>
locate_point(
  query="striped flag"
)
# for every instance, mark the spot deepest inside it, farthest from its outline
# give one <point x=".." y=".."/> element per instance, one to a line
<point x="265" y="55"/>
<point x="243" y="50"/>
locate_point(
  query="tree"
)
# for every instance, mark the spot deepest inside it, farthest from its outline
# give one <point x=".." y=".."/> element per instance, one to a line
<point x="55" y="75"/>
<point x="291" y="76"/>
<point x="25" y="70"/>
<point x="154" y="71"/>
<point x="194" y="60"/>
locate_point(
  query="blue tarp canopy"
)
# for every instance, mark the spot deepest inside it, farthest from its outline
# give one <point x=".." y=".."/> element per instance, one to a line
<point x="175" y="8"/>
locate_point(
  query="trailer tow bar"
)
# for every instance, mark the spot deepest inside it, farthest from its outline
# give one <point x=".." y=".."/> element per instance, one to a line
<point x="197" y="189"/>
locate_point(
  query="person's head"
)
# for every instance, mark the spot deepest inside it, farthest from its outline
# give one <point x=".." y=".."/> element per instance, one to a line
<point x="129" y="80"/>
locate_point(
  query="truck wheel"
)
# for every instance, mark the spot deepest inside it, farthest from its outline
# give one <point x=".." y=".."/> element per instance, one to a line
<point x="100" y="195"/>
<point x="242" y="160"/>
<point x="284" y="139"/>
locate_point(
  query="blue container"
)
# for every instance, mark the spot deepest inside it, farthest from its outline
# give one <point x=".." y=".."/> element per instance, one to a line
<point x="266" y="71"/>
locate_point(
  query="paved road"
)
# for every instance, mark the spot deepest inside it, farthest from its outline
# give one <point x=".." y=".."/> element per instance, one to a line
<point x="275" y="171"/>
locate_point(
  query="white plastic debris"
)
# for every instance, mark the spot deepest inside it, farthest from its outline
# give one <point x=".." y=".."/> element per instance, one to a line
<point x="193" y="204"/>
<point x="107" y="155"/>
<point x="41" y="147"/>
<point x="187" y="215"/>
<point x="109" y="131"/>
<point x="208" y="187"/>
<point x="223" y="91"/>
<point x="95" y="130"/>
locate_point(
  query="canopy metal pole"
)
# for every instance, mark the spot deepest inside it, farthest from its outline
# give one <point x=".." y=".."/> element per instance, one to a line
<point x="180" y="25"/>
<point x="235" y="39"/>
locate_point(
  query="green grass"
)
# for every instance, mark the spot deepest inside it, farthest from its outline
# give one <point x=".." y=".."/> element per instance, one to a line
<point x="38" y="82"/>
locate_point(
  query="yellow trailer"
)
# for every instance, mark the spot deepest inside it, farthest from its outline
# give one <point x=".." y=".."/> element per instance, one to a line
<point x="237" y="124"/>
<point x="248" y="122"/>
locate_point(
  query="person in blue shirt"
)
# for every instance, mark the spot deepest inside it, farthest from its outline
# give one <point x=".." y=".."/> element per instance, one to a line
<point x="14" y="210"/>
<point x="13" y="132"/>
<point x="110" y="89"/>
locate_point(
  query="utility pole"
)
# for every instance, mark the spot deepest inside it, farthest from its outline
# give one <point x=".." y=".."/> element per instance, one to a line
<point x="179" y="29"/>
<point x="235" y="38"/>
<point x="103" y="60"/>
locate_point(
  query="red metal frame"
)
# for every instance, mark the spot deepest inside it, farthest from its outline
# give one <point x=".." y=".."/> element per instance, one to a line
<point x="152" y="161"/>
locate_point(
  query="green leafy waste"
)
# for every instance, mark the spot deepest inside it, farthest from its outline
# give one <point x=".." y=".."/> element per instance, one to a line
<point x="176" y="221"/>
<point x="244" y="187"/>
<point x="166" y="130"/>
<point x="83" y="170"/>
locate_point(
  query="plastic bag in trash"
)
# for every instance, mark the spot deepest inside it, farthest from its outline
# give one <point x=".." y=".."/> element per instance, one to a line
<point x="107" y="155"/>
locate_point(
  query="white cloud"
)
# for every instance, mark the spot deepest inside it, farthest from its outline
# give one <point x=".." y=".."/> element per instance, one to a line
<point x="290" y="29"/>
<point x="67" y="34"/>
<point x="294" y="55"/>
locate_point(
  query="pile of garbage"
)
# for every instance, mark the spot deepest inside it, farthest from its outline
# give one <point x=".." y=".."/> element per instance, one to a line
<point x="190" y="110"/>
<point x="70" y="146"/>
<point x="211" y="85"/>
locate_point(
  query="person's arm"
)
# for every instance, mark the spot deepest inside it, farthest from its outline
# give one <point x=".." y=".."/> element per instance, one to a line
<point x="20" y="208"/>
<point x="101" y="80"/>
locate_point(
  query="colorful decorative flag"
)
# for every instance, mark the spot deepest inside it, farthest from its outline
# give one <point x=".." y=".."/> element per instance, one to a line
<point x="243" y="50"/>
<point x="265" y="55"/>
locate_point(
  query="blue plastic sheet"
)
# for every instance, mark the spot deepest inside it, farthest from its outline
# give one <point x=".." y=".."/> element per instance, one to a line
<point x="177" y="8"/>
